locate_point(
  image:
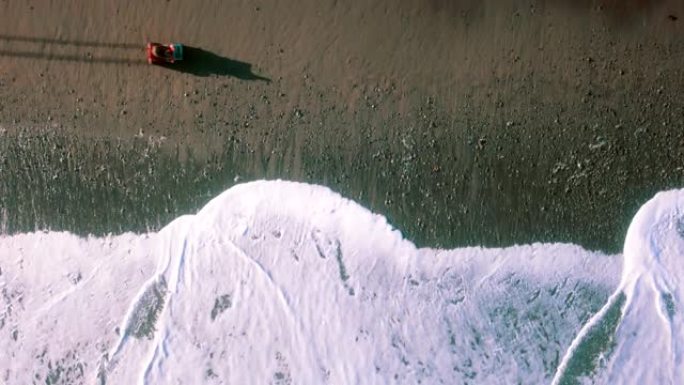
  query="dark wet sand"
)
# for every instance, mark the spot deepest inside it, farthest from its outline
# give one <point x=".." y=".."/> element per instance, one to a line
<point x="465" y="123"/>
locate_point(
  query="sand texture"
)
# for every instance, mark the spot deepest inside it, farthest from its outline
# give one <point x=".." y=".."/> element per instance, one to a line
<point x="464" y="122"/>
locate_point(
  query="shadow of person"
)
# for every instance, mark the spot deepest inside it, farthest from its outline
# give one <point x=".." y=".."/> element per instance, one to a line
<point x="200" y="62"/>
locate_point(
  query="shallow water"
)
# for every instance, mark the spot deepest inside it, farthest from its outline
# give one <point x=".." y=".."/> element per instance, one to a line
<point x="288" y="282"/>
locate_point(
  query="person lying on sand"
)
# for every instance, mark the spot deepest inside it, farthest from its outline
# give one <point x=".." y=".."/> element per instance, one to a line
<point x="161" y="51"/>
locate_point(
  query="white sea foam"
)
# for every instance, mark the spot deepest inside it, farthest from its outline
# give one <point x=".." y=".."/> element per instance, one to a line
<point x="646" y="338"/>
<point x="280" y="282"/>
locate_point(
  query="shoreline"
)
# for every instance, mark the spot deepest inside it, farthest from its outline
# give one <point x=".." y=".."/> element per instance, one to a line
<point x="469" y="124"/>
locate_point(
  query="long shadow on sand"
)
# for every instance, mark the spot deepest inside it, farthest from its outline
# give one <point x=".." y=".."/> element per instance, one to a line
<point x="72" y="58"/>
<point x="200" y="62"/>
<point x="76" y="43"/>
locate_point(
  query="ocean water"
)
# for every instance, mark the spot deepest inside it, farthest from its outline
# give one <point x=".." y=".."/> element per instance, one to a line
<point x="275" y="282"/>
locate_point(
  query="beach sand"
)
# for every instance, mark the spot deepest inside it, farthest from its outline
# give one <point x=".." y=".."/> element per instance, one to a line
<point x="464" y="122"/>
